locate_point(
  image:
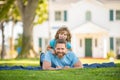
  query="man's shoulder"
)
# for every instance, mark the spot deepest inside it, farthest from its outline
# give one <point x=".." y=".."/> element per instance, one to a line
<point x="49" y="52"/>
<point x="70" y="53"/>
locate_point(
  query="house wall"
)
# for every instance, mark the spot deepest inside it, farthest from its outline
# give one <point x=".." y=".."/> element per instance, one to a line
<point x="76" y="17"/>
<point x="99" y="16"/>
<point x="40" y="31"/>
<point x="98" y="51"/>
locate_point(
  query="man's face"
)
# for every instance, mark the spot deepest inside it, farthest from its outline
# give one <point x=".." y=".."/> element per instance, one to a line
<point x="60" y="49"/>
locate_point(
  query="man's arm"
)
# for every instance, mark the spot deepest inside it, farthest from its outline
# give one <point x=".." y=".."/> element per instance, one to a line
<point x="78" y="64"/>
<point x="47" y="66"/>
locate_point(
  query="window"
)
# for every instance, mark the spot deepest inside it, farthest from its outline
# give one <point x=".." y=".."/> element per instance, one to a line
<point x="111" y="43"/>
<point x="111" y="15"/>
<point x="88" y="16"/>
<point x="114" y="15"/>
<point x="118" y="42"/>
<point x="80" y="42"/>
<point x="40" y="42"/>
<point x="117" y="14"/>
<point x="96" y="43"/>
<point x="58" y="16"/>
<point x="61" y="15"/>
<point x="65" y="15"/>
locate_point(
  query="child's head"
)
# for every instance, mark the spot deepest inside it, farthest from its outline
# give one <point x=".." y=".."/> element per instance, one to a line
<point x="63" y="33"/>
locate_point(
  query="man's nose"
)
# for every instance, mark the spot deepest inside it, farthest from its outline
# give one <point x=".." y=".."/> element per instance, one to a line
<point x="60" y="50"/>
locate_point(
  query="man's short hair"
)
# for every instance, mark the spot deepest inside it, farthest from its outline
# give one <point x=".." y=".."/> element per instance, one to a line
<point x="61" y="41"/>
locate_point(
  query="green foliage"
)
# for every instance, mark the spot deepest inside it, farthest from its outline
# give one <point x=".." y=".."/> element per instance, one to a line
<point x="41" y="12"/>
<point x="111" y="54"/>
<point x="4" y="9"/>
<point x="14" y="13"/>
<point x="18" y="41"/>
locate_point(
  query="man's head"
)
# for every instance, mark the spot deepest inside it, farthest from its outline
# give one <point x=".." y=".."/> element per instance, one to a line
<point x="60" y="48"/>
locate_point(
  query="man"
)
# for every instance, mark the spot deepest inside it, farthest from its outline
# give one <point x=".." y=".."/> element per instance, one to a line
<point x="62" y="59"/>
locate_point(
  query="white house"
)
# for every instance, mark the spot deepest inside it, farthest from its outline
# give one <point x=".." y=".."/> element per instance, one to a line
<point x="94" y="24"/>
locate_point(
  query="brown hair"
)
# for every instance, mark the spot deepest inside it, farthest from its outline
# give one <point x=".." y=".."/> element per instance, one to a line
<point x="61" y="29"/>
<point x="62" y="41"/>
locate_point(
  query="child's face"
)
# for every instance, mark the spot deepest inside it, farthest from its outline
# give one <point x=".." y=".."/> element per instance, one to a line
<point x="63" y="35"/>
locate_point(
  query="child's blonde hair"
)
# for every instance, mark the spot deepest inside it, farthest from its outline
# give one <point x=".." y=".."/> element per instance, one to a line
<point x="61" y="30"/>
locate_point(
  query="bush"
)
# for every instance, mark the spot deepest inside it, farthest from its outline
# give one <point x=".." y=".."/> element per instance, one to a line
<point x="111" y="54"/>
<point x="18" y="45"/>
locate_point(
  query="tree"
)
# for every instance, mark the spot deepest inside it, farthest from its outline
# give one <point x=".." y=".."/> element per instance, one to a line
<point x="3" y="52"/>
<point x="14" y="16"/>
<point x="28" y="11"/>
<point x="4" y="9"/>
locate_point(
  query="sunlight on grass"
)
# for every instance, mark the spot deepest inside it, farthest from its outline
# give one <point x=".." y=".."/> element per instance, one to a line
<point x="35" y="62"/>
<point x="23" y="62"/>
<point x="95" y="60"/>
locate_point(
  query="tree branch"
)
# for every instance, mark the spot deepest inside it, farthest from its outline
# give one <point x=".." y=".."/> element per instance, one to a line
<point x="21" y="6"/>
<point x="30" y="8"/>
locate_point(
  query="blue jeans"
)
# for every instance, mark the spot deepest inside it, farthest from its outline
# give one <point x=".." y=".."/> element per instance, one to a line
<point x="42" y="56"/>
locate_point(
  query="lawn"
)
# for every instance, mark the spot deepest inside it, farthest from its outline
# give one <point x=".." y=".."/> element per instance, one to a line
<point x="110" y="73"/>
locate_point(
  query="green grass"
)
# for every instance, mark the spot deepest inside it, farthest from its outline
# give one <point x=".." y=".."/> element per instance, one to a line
<point x="17" y="62"/>
<point x="110" y="73"/>
<point x="71" y="74"/>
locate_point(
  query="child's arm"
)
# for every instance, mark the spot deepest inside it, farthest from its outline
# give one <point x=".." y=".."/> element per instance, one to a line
<point x="49" y="48"/>
<point x="70" y="49"/>
<point x="69" y="46"/>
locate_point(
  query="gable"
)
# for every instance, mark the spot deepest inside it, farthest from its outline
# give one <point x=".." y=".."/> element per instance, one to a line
<point x="89" y="28"/>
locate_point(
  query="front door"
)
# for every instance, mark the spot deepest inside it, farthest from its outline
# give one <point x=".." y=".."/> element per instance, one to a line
<point x="88" y="47"/>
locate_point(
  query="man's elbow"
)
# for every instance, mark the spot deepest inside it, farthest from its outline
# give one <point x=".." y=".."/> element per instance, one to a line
<point x="45" y="67"/>
<point x="78" y="65"/>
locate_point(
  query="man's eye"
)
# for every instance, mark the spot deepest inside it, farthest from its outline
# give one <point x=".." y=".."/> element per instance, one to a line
<point x="58" y="48"/>
<point x="62" y="48"/>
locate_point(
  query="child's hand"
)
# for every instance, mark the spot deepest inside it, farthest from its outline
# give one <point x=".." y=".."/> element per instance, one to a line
<point x="52" y="51"/>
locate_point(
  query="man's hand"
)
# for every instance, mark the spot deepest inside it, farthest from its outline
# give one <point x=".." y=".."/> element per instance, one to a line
<point x="66" y="67"/>
<point x="58" y="67"/>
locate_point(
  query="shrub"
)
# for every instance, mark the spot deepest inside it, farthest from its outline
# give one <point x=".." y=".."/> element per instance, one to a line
<point x="18" y="44"/>
<point x="111" y="54"/>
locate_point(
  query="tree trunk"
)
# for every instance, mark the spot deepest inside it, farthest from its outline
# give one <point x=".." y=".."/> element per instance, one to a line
<point x="28" y="14"/>
<point x="3" y="52"/>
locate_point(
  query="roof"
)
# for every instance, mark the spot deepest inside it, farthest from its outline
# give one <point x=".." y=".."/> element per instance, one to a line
<point x="89" y="27"/>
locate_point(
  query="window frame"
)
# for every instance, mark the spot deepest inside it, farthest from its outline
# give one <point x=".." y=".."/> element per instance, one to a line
<point x="63" y="16"/>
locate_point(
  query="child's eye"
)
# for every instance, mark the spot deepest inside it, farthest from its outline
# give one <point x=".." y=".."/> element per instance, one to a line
<point x="61" y="33"/>
<point x="65" y="34"/>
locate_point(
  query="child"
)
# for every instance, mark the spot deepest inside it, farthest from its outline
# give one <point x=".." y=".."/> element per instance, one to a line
<point x="62" y="33"/>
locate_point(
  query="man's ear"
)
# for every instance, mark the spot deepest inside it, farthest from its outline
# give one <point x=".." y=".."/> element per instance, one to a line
<point x="66" y="50"/>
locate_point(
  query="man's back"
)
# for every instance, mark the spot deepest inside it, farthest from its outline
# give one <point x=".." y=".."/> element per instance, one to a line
<point x="68" y="60"/>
